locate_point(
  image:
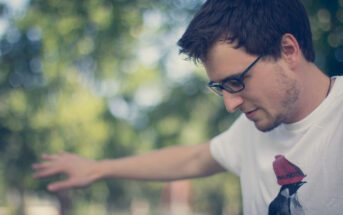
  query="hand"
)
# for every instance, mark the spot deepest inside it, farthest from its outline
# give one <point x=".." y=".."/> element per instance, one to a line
<point x="81" y="172"/>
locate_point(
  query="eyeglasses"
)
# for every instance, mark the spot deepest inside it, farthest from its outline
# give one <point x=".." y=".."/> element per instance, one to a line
<point x="231" y="84"/>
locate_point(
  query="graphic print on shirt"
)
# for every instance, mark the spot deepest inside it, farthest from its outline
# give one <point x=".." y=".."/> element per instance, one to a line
<point x="290" y="177"/>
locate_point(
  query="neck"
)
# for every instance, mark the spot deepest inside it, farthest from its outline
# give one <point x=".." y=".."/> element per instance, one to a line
<point x="314" y="87"/>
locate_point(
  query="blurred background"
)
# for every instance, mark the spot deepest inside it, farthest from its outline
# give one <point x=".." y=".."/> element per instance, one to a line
<point x="103" y="79"/>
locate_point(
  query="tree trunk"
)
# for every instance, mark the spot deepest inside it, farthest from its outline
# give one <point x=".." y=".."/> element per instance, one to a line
<point x="65" y="200"/>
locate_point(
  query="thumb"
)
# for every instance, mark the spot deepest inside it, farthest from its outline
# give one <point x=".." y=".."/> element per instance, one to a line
<point x="60" y="185"/>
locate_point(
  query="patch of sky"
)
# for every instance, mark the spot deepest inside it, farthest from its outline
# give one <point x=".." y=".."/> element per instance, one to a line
<point x="119" y="108"/>
<point x="107" y="88"/>
<point x="13" y="35"/>
<point x="122" y="109"/>
<point x="157" y="44"/>
<point x="149" y="95"/>
<point x="153" y="19"/>
<point x="148" y="55"/>
<point x="16" y="6"/>
<point x="34" y="33"/>
<point x="15" y="9"/>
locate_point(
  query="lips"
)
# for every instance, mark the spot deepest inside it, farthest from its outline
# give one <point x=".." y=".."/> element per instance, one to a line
<point x="250" y="114"/>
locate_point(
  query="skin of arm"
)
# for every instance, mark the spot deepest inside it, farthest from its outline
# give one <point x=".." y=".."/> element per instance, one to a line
<point x="171" y="163"/>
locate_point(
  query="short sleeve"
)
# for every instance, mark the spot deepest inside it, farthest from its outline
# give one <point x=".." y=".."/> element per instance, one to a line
<point x="226" y="148"/>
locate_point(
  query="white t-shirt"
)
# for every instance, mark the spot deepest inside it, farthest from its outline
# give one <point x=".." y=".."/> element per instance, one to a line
<point x="314" y="145"/>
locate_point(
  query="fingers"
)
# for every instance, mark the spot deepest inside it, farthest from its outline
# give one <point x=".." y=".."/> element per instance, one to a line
<point x="62" y="163"/>
<point x="50" y="157"/>
<point x="60" y="185"/>
<point x="49" y="168"/>
<point x="39" y="166"/>
<point x="45" y="171"/>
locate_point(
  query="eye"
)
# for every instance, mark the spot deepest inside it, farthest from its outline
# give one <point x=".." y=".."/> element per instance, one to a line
<point x="234" y="84"/>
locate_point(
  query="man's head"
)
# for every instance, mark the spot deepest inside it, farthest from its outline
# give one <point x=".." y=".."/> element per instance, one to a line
<point x="255" y="25"/>
<point x="271" y="93"/>
<point x="229" y="35"/>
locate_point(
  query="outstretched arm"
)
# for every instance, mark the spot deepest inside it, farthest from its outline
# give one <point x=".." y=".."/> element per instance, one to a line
<point x="167" y="164"/>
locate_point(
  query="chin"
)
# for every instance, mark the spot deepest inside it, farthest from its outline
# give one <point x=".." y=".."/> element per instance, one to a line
<point x="265" y="127"/>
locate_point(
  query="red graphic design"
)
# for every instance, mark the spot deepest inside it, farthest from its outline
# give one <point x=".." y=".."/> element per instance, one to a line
<point x="290" y="177"/>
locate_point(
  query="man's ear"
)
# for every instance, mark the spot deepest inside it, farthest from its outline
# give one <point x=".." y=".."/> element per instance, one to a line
<point x="290" y="50"/>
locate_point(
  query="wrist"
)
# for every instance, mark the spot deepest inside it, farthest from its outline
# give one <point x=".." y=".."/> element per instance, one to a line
<point x="100" y="169"/>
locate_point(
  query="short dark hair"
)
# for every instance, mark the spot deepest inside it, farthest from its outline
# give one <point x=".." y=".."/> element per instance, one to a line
<point x="256" y="25"/>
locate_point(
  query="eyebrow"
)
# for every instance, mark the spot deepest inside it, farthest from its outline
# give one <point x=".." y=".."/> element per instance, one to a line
<point x="236" y="75"/>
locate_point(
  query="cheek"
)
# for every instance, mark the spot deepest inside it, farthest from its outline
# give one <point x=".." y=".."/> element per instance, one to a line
<point x="267" y="94"/>
<point x="260" y="89"/>
<point x="268" y="84"/>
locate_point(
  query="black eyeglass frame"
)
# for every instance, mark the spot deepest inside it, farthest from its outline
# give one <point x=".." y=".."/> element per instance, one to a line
<point x="217" y="87"/>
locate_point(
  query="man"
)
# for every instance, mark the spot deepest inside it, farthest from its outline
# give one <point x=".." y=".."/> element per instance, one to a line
<point x="286" y="146"/>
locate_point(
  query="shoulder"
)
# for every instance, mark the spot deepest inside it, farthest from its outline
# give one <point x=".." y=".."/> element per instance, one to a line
<point x="237" y="131"/>
<point x="338" y="84"/>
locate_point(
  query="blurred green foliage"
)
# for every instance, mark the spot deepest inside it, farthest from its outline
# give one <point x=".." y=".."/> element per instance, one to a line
<point x="72" y="78"/>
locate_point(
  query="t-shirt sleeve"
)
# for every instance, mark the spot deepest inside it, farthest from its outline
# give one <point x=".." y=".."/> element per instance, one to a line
<point x="226" y="148"/>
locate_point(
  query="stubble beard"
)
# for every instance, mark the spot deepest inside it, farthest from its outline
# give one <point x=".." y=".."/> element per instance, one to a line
<point x="286" y="106"/>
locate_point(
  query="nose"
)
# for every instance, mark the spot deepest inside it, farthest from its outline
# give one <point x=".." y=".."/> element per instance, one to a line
<point x="232" y="101"/>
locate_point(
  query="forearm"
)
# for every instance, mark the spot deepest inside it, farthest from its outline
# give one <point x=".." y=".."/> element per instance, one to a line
<point x="171" y="163"/>
<point x="162" y="165"/>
